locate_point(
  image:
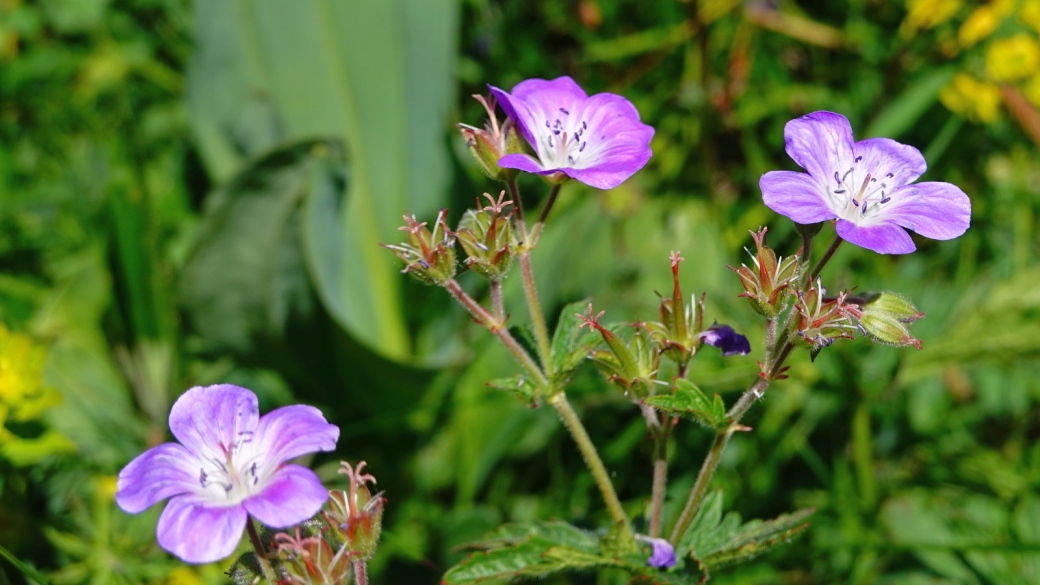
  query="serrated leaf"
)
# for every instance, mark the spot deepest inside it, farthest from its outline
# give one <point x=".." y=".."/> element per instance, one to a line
<point x="688" y="400"/>
<point x="570" y="343"/>
<point x="519" y="385"/>
<point x="618" y="542"/>
<point x="529" y="550"/>
<point x="555" y="532"/>
<point x="745" y="542"/>
<point x="704" y="525"/>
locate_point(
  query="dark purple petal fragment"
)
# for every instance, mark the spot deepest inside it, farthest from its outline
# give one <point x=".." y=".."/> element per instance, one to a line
<point x="208" y="420"/>
<point x="158" y="473"/>
<point x="726" y="339"/>
<point x="292" y="495"/>
<point x="884" y="238"/>
<point x="196" y="532"/>
<point x="662" y="555"/>
<point x="796" y="195"/>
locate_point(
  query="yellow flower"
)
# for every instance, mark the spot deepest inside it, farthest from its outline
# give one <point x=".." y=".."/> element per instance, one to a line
<point x="980" y="24"/>
<point x="1013" y="58"/>
<point x="21" y="368"/>
<point x="1031" y="88"/>
<point x="971" y="98"/>
<point x="1029" y="14"/>
<point x="926" y="14"/>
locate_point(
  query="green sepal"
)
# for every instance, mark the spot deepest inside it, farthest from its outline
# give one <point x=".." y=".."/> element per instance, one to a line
<point x="519" y="385"/>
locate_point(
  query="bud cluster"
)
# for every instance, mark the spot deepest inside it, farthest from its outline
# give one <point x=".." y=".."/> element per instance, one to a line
<point x="631" y="366"/>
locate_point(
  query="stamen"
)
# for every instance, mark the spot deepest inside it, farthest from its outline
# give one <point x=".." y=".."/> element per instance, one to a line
<point x="859" y="158"/>
<point x="839" y="191"/>
<point x="836" y="177"/>
<point x="886" y="199"/>
<point x="847" y="174"/>
<point x="582" y="146"/>
<point x="565" y="112"/>
<point x="889" y="176"/>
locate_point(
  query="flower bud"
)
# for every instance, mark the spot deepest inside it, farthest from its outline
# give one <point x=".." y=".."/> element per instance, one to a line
<point x="765" y="284"/>
<point x="428" y="256"/>
<point x="632" y="366"/>
<point x="884" y="318"/>
<point x="306" y="556"/>
<point x="493" y="142"/>
<point x="486" y="234"/>
<point x="356" y="517"/>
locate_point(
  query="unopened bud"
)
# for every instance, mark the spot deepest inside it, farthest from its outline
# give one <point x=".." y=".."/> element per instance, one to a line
<point x="429" y="256"/>
<point x="356" y="516"/>
<point x="486" y="234"/>
<point x="884" y="318"/>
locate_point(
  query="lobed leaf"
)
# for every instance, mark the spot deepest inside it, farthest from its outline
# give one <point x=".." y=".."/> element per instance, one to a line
<point x="688" y="400"/>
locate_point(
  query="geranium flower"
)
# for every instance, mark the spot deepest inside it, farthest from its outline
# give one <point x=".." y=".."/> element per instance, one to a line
<point x="229" y="464"/>
<point x="597" y="140"/>
<point x="866" y="185"/>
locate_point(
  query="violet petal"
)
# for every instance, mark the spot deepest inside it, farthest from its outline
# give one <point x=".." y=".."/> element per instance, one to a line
<point x="158" y="473"/>
<point x="293" y="494"/>
<point x="796" y="195"/>
<point x="291" y="431"/>
<point x="209" y="419"/>
<point x="883" y="157"/>
<point x="197" y="532"/>
<point x="940" y="211"/>
<point x="726" y="339"/>
<point x="662" y="555"/>
<point x="533" y="101"/>
<point x="524" y="162"/>
<point x="885" y="238"/>
<point x="821" y="143"/>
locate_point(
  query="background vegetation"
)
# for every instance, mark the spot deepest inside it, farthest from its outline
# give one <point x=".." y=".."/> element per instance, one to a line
<point x="192" y="194"/>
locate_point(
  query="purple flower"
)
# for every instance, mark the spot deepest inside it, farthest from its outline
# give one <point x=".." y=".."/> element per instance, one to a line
<point x="662" y="555"/>
<point x="597" y="140"/>
<point x="726" y="339"/>
<point x="230" y="463"/>
<point x="865" y="185"/>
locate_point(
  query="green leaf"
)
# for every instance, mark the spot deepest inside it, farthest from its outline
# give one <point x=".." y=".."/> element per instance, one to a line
<point x="907" y="108"/>
<point x="267" y="72"/>
<point x="618" y="542"/>
<point x="688" y="400"/>
<point x="238" y="284"/>
<point x="758" y="536"/>
<point x="519" y="385"/>
<point x="570" y="345"/>
<point x="703" y="526"/>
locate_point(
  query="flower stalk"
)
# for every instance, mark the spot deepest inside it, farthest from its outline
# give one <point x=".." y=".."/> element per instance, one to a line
<point x="588" y="450"/>
<point x="261" y="555"/>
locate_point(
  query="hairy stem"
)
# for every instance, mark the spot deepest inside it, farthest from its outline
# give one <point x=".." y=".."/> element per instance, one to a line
<point x="513" y="189"/>
<point x="588" y="451"/>
<point x="261" y="554"/>
<point x="711" y="462"/>
<point x="536" y="231"/>
<point x="541" y="330"/>
<point x="498" y="308"/>
<point x="482" y="316"/>
<point x="660" y="484"/>
<point x="826" y="257"/>
<point x="360" y="572"/>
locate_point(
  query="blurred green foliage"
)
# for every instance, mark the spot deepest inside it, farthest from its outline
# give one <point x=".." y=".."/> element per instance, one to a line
<point x="193" y="194"/>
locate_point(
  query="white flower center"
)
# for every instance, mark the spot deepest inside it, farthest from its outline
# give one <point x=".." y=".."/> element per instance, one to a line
<point x="239" y="474"/>
<point x="562" y="143"/>
<point x="857" y="195"/>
